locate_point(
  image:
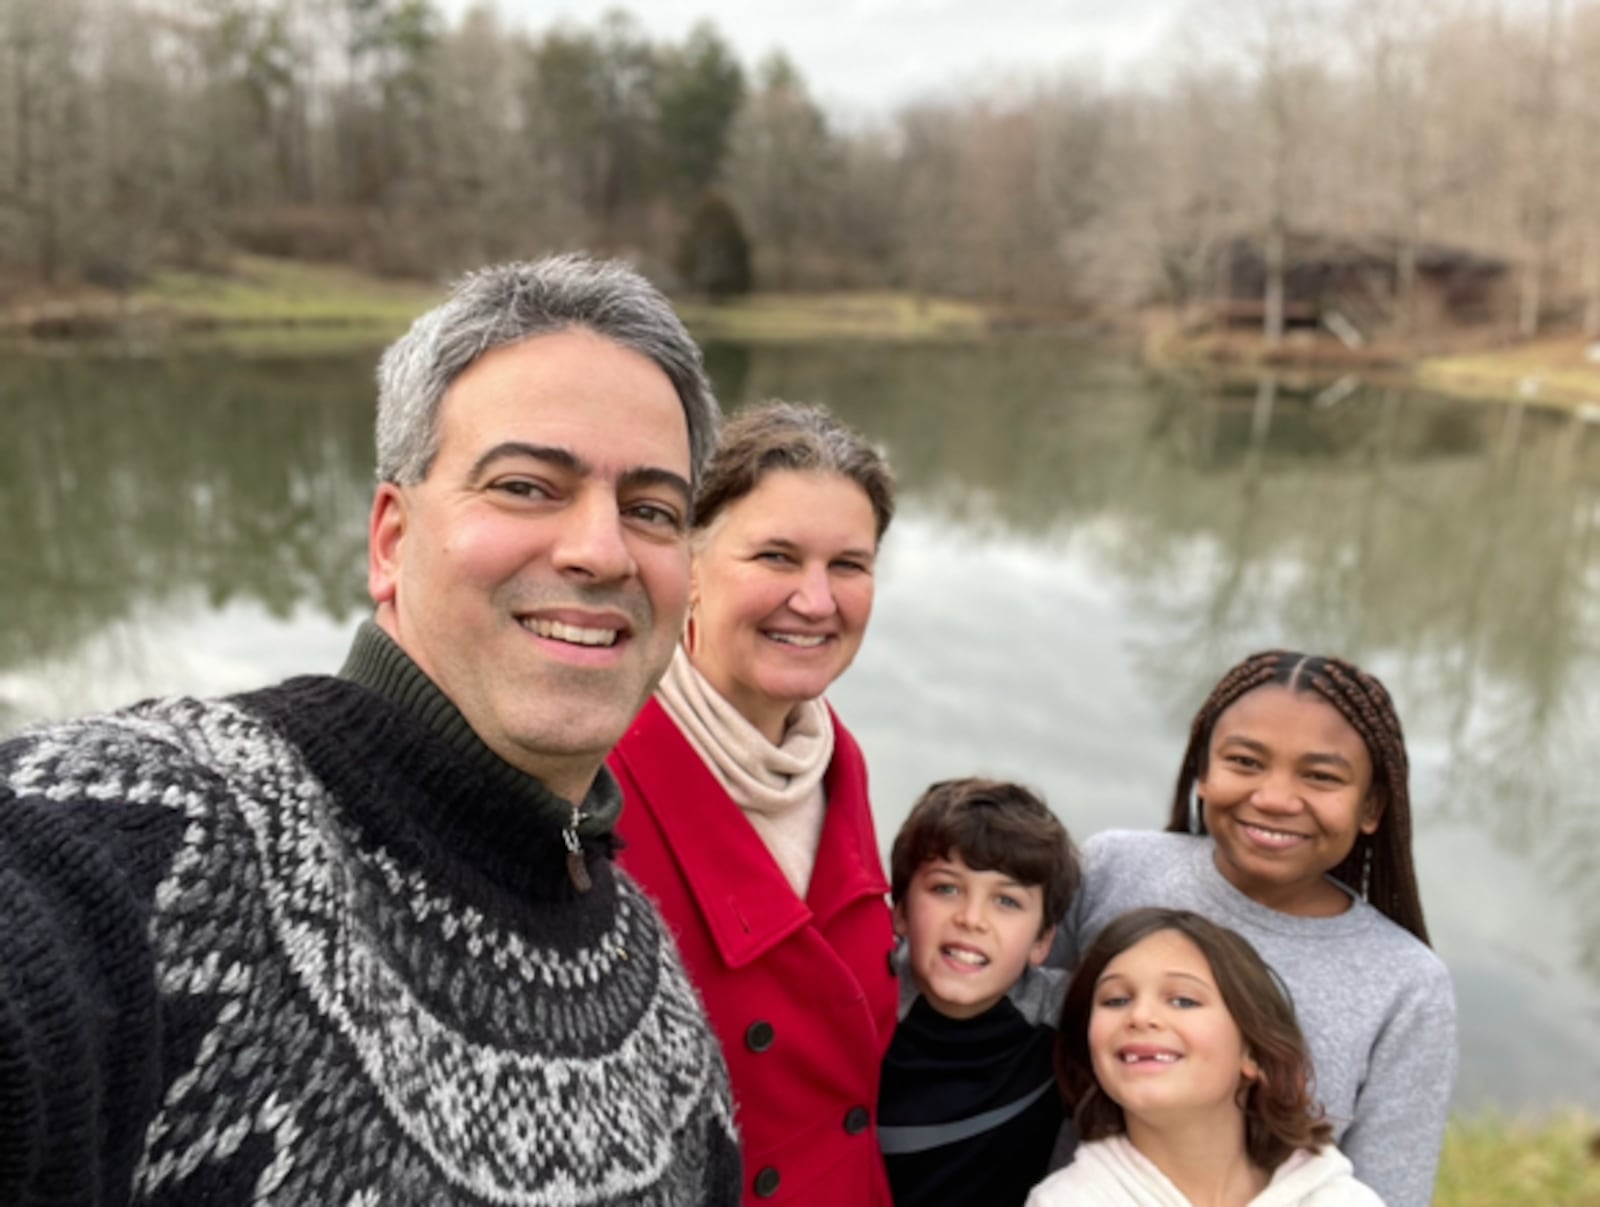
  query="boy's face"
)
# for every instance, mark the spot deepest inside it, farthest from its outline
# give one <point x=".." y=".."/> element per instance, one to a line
<point x="972" y="934"/>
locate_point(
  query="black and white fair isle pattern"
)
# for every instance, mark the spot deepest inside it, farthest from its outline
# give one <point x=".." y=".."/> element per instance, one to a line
<point x="363" y="1039"/>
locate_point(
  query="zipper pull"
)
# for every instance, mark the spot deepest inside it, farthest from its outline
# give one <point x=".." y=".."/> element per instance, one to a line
<point x="577" y="870"/>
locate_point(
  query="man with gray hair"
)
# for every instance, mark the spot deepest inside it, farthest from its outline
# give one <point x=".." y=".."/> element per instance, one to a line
<point x="358" y="939"/>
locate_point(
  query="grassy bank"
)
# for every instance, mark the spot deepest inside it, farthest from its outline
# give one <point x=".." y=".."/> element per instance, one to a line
<point x="259" y="292"/>
<point x="1490" y="1161"/>
<point x="867" y="316"/>
<point x="261" y="302"/>
<point x="1557" y="371"/>
<point x="256" y="301"/>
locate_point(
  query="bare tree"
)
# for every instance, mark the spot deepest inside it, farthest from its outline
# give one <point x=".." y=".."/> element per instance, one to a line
<point x="1536" y="216"/>
<point x="1586" y="148"/>
<point x="779" y="166"/>
<point x="1391" y="40"/>
<point x="44" y="119"/>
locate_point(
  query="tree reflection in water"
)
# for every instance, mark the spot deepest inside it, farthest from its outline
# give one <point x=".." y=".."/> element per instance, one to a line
<point x="128" y="482"/>
<point x="1449" y="546"/>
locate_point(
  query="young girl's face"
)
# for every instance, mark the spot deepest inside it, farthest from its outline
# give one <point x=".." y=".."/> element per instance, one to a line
<point x="1287" y="790"/>
<point x="1162" y="1041"/>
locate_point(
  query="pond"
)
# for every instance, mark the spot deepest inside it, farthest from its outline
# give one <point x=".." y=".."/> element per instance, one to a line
<point x="1082" y="547"/>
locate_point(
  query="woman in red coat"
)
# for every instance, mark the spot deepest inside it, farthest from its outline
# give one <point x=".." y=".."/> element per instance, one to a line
<point x="746" y="814"/>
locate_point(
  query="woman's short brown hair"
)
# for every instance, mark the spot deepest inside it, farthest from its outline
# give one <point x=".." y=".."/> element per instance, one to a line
<point x="1279" y="1113"/>
<point x="785" y="435"/>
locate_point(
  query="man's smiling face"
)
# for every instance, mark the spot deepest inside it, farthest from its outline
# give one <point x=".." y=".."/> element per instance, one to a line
<point x="540" y="570"/>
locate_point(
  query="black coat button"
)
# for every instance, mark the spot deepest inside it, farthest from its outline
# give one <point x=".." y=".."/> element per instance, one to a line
<point x="766" y="1184"/>
<point x="759" y="1035"/>
<point x="856" y="1120"/>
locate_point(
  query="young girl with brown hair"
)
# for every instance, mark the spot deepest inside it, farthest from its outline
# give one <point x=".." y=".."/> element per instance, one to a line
<point x="1179" y="1056"/>
<point x="1291" y="824"/>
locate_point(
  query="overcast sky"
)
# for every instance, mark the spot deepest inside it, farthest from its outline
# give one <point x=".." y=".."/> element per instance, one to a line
<point x="865" y="56"/>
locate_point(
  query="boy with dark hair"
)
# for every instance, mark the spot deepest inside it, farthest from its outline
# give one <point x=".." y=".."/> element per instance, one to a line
<point x="981" y="873"/>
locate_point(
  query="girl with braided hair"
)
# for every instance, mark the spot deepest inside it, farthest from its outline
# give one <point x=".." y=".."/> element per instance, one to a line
<point x="1291" y="824"/>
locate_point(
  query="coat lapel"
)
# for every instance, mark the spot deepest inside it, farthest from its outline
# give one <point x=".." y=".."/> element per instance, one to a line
<point x="747" y="905"/>
<point x="848" y="864"/>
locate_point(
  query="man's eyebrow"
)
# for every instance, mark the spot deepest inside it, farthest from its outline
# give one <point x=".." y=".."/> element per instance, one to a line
<point x="560" y="458"/>
<point x="642" y="476"/>
<point x="650" y="475"/>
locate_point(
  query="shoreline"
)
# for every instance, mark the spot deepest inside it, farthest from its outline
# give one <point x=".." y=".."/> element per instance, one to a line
<point x="1556" y="370"/>
<point x="267" y="306"/>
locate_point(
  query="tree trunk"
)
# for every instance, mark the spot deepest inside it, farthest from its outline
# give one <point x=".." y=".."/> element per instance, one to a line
<point x="1272" y="304"/>
<point x="1529" y="300"/>
<point x="1591" y="286"/>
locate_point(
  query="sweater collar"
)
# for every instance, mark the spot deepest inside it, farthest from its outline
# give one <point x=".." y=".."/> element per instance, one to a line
<point x="377" y="663"/>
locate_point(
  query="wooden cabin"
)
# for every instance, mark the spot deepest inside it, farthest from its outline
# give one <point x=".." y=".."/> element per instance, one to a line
<point x="1349" y="286"/>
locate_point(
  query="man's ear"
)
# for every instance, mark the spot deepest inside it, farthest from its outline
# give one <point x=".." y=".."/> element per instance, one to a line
<point x="1040" y="950"/>
<point x="386" y="532"/>
<point x="900" y="919"/>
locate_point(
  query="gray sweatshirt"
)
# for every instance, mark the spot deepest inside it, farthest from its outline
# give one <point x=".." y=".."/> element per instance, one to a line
<point x="1375" y="1003"/>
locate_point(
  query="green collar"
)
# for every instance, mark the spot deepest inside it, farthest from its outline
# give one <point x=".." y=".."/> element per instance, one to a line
<point x="377" y="663"/>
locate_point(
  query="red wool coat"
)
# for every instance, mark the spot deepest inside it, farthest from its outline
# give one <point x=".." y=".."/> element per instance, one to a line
<point x="800" y="992"/>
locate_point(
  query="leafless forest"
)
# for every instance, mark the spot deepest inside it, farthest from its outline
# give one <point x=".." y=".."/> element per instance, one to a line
<point x="141" y="133"/>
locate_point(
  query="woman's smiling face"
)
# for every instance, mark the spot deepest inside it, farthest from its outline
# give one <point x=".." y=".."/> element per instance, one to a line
<point x="1287" y="790"/>
<point x="782" y="591"/>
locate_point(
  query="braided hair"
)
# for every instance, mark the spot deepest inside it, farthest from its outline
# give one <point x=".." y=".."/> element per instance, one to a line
<point x="1379" y="866"/>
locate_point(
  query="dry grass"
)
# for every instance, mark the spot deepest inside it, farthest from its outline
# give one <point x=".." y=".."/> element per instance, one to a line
<point x="1546" y="370"/>
<point x="1490" y="1161"/>
<point x="255" y="300"/>
<point x="798" y="317"/>
<point x="263" y="300"/>
<point x="258" y="291"/>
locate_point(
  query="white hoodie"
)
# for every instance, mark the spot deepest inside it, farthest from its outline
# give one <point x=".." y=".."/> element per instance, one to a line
<point x="1113" y="1173"/>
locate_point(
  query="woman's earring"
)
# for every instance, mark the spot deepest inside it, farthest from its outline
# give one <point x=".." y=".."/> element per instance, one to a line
<point x="691" y="634"/>
<point x="1366" y="865"/>
<point x="1196" y="813"/>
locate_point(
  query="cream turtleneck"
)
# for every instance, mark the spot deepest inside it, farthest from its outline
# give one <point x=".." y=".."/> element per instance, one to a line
<point x="779" y="788"/>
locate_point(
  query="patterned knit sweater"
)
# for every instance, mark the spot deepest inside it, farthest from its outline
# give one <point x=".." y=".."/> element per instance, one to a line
<point x="317" y="944"/>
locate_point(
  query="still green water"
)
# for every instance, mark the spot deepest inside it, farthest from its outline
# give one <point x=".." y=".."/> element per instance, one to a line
<point x="1081" y="549"/>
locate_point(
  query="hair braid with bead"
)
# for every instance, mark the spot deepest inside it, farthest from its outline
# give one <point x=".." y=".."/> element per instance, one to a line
<point x="1390" y="877"/>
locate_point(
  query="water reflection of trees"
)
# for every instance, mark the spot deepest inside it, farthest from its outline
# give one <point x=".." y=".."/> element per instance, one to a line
<point x="1027" y="437"/>
<point x="1453" y="545"/>
<point x="1471" y="570"/>
<point x="125" y="482"/>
